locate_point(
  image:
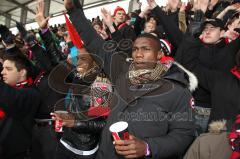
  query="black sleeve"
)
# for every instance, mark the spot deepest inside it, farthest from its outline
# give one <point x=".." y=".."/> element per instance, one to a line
<point x="41" y="58"/>
<point x="89" y="126"/>
<point x="172" y="30"/>
<point x="53" y="53"/>
<point x="188" y="45"/>
<point x="138" y="25"/>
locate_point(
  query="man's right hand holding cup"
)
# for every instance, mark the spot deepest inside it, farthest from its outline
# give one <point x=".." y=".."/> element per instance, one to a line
<point x="125" y="144"/>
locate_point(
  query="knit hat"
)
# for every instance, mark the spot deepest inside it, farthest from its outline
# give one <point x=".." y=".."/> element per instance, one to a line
<point x="166" y="47"/>
<point x="118" y="9"/>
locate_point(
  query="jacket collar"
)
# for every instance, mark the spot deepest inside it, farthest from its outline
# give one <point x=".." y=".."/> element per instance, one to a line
<point x="220" y="44"/>
<point x="24" y="84"/>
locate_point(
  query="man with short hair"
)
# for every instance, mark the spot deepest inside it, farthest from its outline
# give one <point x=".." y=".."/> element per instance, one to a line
<point x="212" y="31"/>
<point x="19" y="102"/>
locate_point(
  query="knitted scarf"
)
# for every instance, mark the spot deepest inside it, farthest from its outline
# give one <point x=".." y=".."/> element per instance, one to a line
<point x="142" y="76"/>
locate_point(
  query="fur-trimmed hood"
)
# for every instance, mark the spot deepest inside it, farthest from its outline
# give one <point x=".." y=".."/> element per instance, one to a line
<point x="217" y="126"/>
<point x="180" y="74"/>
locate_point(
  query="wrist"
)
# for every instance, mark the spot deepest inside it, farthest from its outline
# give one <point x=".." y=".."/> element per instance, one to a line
<point x="147" y="151"/>
<point x="154" y="5"/>
<point x="111" y="28"/>
<point x="44" y="30"/>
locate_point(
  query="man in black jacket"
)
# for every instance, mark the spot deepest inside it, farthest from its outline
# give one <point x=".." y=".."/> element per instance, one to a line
<point x="20" y="102"/>
<point x="152" y="98"/>
<point x="211" y="46"/>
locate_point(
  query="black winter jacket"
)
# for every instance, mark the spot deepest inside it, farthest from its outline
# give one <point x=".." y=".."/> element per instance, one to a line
<point x="21" y="106"/>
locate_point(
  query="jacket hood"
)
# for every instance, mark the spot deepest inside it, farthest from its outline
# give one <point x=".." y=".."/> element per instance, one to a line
<point x="181" y="75"/>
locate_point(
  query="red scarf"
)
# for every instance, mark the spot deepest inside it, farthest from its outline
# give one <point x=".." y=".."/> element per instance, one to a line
<point x="122" y="25"/>
<point x="27" y="82"/>
<point x="2" y="114"/>
<point x="234" y="139"/>
<point x="235" y="72"/>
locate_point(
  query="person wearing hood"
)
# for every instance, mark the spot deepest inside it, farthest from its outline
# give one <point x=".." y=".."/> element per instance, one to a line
<point x="153" y="99"/>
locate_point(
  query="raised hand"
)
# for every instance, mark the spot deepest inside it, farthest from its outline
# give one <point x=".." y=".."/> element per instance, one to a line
<point x="173" y="4"/>
<point x="39" y="17"/>
<point x="231" y="34"/>
<point x="107" y="18"/>
<point x="183" y="7"/>
<point x="203" y="5"/>
<point x="212" y="3"/>
<point x="68" y="4"/>
<point x="152" y="3"/>
<point x="145" y="11"/>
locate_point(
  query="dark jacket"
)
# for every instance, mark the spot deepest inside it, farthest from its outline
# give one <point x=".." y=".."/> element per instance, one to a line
<point x="169" y="95"/>
<point x="223" y="86"/>
<point x="219" y="57"/>
<point x="21" y="106"/>
<point x="86" y="133"/>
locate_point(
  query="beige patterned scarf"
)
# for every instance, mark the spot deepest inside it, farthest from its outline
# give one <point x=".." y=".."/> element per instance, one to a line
<point x="142" y="76"/>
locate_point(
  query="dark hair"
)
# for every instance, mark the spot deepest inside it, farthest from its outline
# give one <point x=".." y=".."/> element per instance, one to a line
<point x="150" y="36"/>
<point x="21" y="62"/>
<point x="230" y="21"/>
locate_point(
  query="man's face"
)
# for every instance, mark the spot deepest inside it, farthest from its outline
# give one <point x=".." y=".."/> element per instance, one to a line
<point x="120" y="17"/>
<point x="211" y="34"/>
<point x="149" y="27"/>
<point x="85" y="63"/>
<point x="11" y="75"/>
<point x="145" y="53"/>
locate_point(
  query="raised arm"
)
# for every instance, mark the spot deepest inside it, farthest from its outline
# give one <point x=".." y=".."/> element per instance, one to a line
<point x="53" y="53"/>
<point x="92" y="41"/>
<point x="172" y="30"/>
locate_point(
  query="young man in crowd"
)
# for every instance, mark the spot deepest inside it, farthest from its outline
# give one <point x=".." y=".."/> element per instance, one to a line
<point x="207" y="39"/>
<point x="19" y="101"/>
